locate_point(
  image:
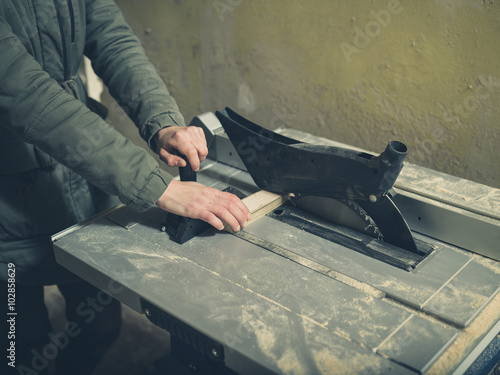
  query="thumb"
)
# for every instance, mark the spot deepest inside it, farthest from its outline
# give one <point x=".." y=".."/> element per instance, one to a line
<point x="172" y="160"/>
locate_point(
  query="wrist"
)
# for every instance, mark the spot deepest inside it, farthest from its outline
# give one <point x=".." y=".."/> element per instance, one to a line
<point x="157" y="136"/>
<point x="166" y="193"/>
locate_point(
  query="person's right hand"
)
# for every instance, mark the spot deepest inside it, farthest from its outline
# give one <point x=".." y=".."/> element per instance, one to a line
<point x="189" y="141"/>
<point x="197" y="201"/>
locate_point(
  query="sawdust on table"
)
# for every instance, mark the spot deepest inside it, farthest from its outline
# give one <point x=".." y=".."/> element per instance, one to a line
<point x="466" y="194"/>
<point x="268" y="337"/>
<point x="354" y="283"/>
<point x="490" y="264"/>
<point x="395" y="288"/>
<point x="289" y="364"/>
<point x="465" y="340"/>
<point x="328" y="363"/>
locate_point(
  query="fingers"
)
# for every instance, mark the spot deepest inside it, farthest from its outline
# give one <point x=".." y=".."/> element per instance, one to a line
<point x="189" y="141"/>
<point x="193" y="158"/>
<point x="213" y="220"/>
<point x="242" y="206"/>
<point x="194" y="148"/>
<point x="171" y="160"/>
<point x="201" y="142"/>
<point x="232" y="211"/>
<point x="226" y="208"/>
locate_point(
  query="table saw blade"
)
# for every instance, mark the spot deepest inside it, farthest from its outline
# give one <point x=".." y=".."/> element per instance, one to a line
<point x="390" y="221"/>
<point x="343" y="212"/>
<point x="381" y="219"/>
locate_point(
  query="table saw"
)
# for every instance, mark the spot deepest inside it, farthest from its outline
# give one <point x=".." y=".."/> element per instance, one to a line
<point x="296" y="292"/>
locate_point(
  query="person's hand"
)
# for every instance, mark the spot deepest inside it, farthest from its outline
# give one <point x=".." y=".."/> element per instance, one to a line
<point x="189" y="141"/>
<point x="197" y="201"/>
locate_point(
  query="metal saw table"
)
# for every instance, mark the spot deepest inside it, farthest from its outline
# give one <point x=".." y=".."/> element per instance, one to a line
<point x="248" y="310"/>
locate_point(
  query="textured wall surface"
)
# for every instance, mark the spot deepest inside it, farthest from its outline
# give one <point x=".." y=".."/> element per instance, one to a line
<point x="423" y="72"/>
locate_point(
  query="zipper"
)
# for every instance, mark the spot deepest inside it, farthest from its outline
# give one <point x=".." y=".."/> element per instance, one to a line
<point x="65" y="55"/>
<point x="72" y="20"/>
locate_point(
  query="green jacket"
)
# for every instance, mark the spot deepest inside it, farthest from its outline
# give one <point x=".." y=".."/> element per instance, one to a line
<point x="44" y="122"/>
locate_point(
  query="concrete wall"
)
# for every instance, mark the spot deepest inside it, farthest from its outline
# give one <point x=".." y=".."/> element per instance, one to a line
<point x="424" y="72"/>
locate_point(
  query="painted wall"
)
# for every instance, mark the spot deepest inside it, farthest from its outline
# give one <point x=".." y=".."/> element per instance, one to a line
<point x="423" y="72"/>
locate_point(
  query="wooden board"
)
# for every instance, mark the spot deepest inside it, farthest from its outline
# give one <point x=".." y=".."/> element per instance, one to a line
<point x="260" y="203"/>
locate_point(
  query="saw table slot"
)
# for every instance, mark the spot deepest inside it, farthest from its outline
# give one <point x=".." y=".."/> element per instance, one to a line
<point x="351" y="239"/>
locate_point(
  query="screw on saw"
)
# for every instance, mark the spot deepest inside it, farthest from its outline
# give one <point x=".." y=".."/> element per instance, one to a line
<point x="215" y="352"/>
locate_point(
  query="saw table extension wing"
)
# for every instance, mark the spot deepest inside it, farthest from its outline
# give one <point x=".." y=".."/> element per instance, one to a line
<point x="258" y="312"/>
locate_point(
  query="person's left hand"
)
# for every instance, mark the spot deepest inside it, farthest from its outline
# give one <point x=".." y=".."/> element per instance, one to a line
<point x="189" y="141"/>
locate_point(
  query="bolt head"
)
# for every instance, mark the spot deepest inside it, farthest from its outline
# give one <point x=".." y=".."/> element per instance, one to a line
<point x="372" y="198"/>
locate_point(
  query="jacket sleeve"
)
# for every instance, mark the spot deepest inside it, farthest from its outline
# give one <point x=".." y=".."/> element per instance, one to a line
<point x="37" y="110"/>
<point x="119" y="59"/>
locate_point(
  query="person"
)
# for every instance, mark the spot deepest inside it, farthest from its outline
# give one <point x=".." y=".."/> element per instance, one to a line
<point x="61" y="163"/>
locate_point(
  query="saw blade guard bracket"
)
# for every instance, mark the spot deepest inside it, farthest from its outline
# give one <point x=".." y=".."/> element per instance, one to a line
<point x="283" y="165"/>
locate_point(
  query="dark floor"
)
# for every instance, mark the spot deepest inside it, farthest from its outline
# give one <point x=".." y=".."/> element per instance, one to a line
<point x="138" y="347"/>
